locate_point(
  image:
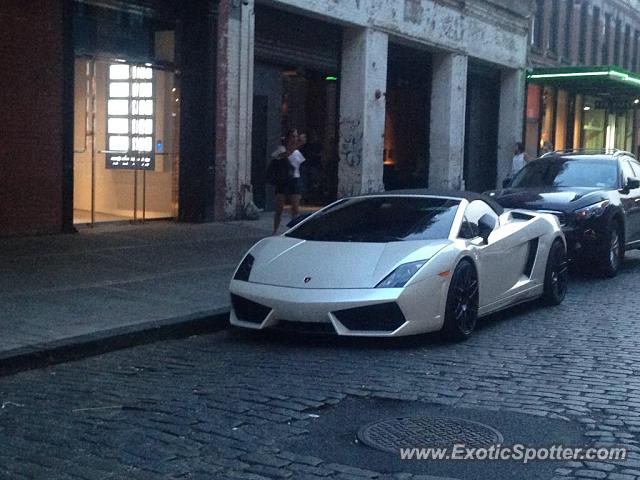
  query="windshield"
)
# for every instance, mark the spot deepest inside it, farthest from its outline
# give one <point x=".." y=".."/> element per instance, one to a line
<point x="567" y="173"/>
<point x="381" y="219"/>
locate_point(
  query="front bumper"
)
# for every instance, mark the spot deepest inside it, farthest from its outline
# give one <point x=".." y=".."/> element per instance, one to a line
<point x="584" y="240"/>
<point x="374" y="312"/>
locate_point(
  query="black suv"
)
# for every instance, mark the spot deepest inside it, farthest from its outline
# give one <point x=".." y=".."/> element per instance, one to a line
<point x="596" y="198"/>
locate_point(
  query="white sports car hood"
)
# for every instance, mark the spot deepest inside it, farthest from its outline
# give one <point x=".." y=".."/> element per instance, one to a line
<point x="287" y="262"/>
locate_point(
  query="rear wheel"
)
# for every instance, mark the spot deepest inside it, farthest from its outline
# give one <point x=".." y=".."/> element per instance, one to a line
<point x="461" y="313"/>
<point x="611" y="252"/>
<point x="556" y="276"/>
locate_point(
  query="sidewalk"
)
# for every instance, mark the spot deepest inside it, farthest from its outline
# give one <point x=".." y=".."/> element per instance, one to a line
<point x="115" y="283"/>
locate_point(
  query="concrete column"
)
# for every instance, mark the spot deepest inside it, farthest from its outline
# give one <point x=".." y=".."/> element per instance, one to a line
<point x="448" y="105"/>
<point x="363" y="83"/>
<point x="510" y="126"/>
<point x="236" y="32"/>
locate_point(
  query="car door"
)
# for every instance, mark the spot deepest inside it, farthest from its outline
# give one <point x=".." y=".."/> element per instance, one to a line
<point x="501" y="260"/>
<point x="630" y="199"/>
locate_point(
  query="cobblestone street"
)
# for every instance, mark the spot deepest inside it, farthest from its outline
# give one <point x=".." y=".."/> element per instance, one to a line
<point x="236" y="406"/>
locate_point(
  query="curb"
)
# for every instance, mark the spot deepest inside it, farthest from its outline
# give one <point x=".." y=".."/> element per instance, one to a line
<point x="96" y="343"/>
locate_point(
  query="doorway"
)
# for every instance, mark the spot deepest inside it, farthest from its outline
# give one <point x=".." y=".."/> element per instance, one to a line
<point x="125" y="141"/>
<point x="407" y="118"/>
<point x="481" y="128"/>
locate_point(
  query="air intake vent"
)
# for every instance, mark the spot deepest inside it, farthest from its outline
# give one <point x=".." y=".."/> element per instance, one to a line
<point x="244" y="270"/>
<point x="249" y="311"/>
<point x="383" y="317"/>
<point x="531" y="257"/>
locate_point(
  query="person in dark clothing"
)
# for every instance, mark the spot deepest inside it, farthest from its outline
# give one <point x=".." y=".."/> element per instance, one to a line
<point x="285" y="168"/>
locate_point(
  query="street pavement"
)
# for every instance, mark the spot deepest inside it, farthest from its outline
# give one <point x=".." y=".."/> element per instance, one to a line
<point x="230" y="405"/>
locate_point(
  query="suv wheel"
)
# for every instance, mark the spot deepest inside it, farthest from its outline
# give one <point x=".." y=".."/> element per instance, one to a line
<point x="612" y="249"/>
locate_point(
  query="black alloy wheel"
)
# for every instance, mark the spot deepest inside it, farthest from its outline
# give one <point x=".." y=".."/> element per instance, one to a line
<point x="461" y="314"/>
<point x="556" y="279"/>
<point x="612" y="249"/>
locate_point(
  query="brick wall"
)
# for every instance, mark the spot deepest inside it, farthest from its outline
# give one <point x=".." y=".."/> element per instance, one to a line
<point x="31" y="117"/>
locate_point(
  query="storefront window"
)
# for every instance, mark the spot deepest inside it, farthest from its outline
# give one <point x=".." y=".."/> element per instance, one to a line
<point x="624" y="131"/>
<point x="594" y="123"/>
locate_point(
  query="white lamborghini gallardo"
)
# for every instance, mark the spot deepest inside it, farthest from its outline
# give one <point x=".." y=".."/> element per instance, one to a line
<point x="400" y="263"/>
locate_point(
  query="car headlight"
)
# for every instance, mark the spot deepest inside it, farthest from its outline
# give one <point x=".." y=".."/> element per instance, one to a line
<point x="590" y="211"/>
<point x="401" y="275"/>
<point x="244" y="269"/>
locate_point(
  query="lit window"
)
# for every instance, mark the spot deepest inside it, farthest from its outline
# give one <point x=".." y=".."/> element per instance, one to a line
<point x="130" y="109"/>
<point x="119" y="89"/>
<point x="118" y="107"/>
<point x="118" y="125"/>
<point x="119" y="142"/>
<point x="119" y="72"/>
<point x="142" y="107"/>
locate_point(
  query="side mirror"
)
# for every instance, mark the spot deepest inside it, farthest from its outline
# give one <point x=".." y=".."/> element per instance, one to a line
<point x="632" y="183"/>
<point x="295" y="221"/>
<point x="468" y="230"/>
<point x="486" y="225"/>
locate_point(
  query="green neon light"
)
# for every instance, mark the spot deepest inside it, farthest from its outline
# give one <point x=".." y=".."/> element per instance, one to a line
<point x="624" y="77"/>
<point x="331" y="78"/>
<point x="571" y="74"/>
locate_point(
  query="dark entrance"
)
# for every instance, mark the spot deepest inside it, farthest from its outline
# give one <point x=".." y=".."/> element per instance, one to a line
<point x="296" y="86"/>
<point x="481" y="128"/>
<point x="406" y="136"/>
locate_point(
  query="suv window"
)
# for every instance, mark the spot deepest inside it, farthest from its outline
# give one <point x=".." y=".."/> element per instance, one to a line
<point x="568" y="172"/>
<point x="636" y="168"/>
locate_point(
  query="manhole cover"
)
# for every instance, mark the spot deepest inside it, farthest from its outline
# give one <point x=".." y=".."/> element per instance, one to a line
<point x="392" y="434"/>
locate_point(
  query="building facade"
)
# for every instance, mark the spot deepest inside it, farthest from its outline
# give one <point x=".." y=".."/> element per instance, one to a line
<point x="583" y="89"/>
<point x="142" y="109"/>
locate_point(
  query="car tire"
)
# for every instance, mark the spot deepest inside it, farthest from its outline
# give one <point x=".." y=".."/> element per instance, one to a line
<point x="611" y="251"/>
<point x="556" y="276"/>
<point x="461" y="312"/>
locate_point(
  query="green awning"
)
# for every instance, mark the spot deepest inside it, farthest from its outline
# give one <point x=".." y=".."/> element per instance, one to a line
<point x="603" y="81"/>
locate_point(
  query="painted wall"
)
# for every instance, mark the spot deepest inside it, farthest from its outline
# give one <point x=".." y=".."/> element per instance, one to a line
<point x="492" y="30"/>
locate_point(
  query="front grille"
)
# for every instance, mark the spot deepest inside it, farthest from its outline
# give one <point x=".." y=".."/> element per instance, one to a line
<point x="383" y="317"/>
<point x="249" y="311"/>
<point x="562" y="218"/>
<point x="305" y="327"/>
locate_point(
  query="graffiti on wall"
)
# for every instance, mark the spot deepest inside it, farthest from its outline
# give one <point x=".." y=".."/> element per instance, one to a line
<point x="351" y="142"/>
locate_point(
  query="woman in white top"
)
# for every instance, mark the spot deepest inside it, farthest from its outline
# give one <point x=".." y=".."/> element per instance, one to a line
<point x="289" y="183"/>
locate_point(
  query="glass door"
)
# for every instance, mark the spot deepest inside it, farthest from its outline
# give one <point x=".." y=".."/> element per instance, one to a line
<point x="126" y="159"/>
